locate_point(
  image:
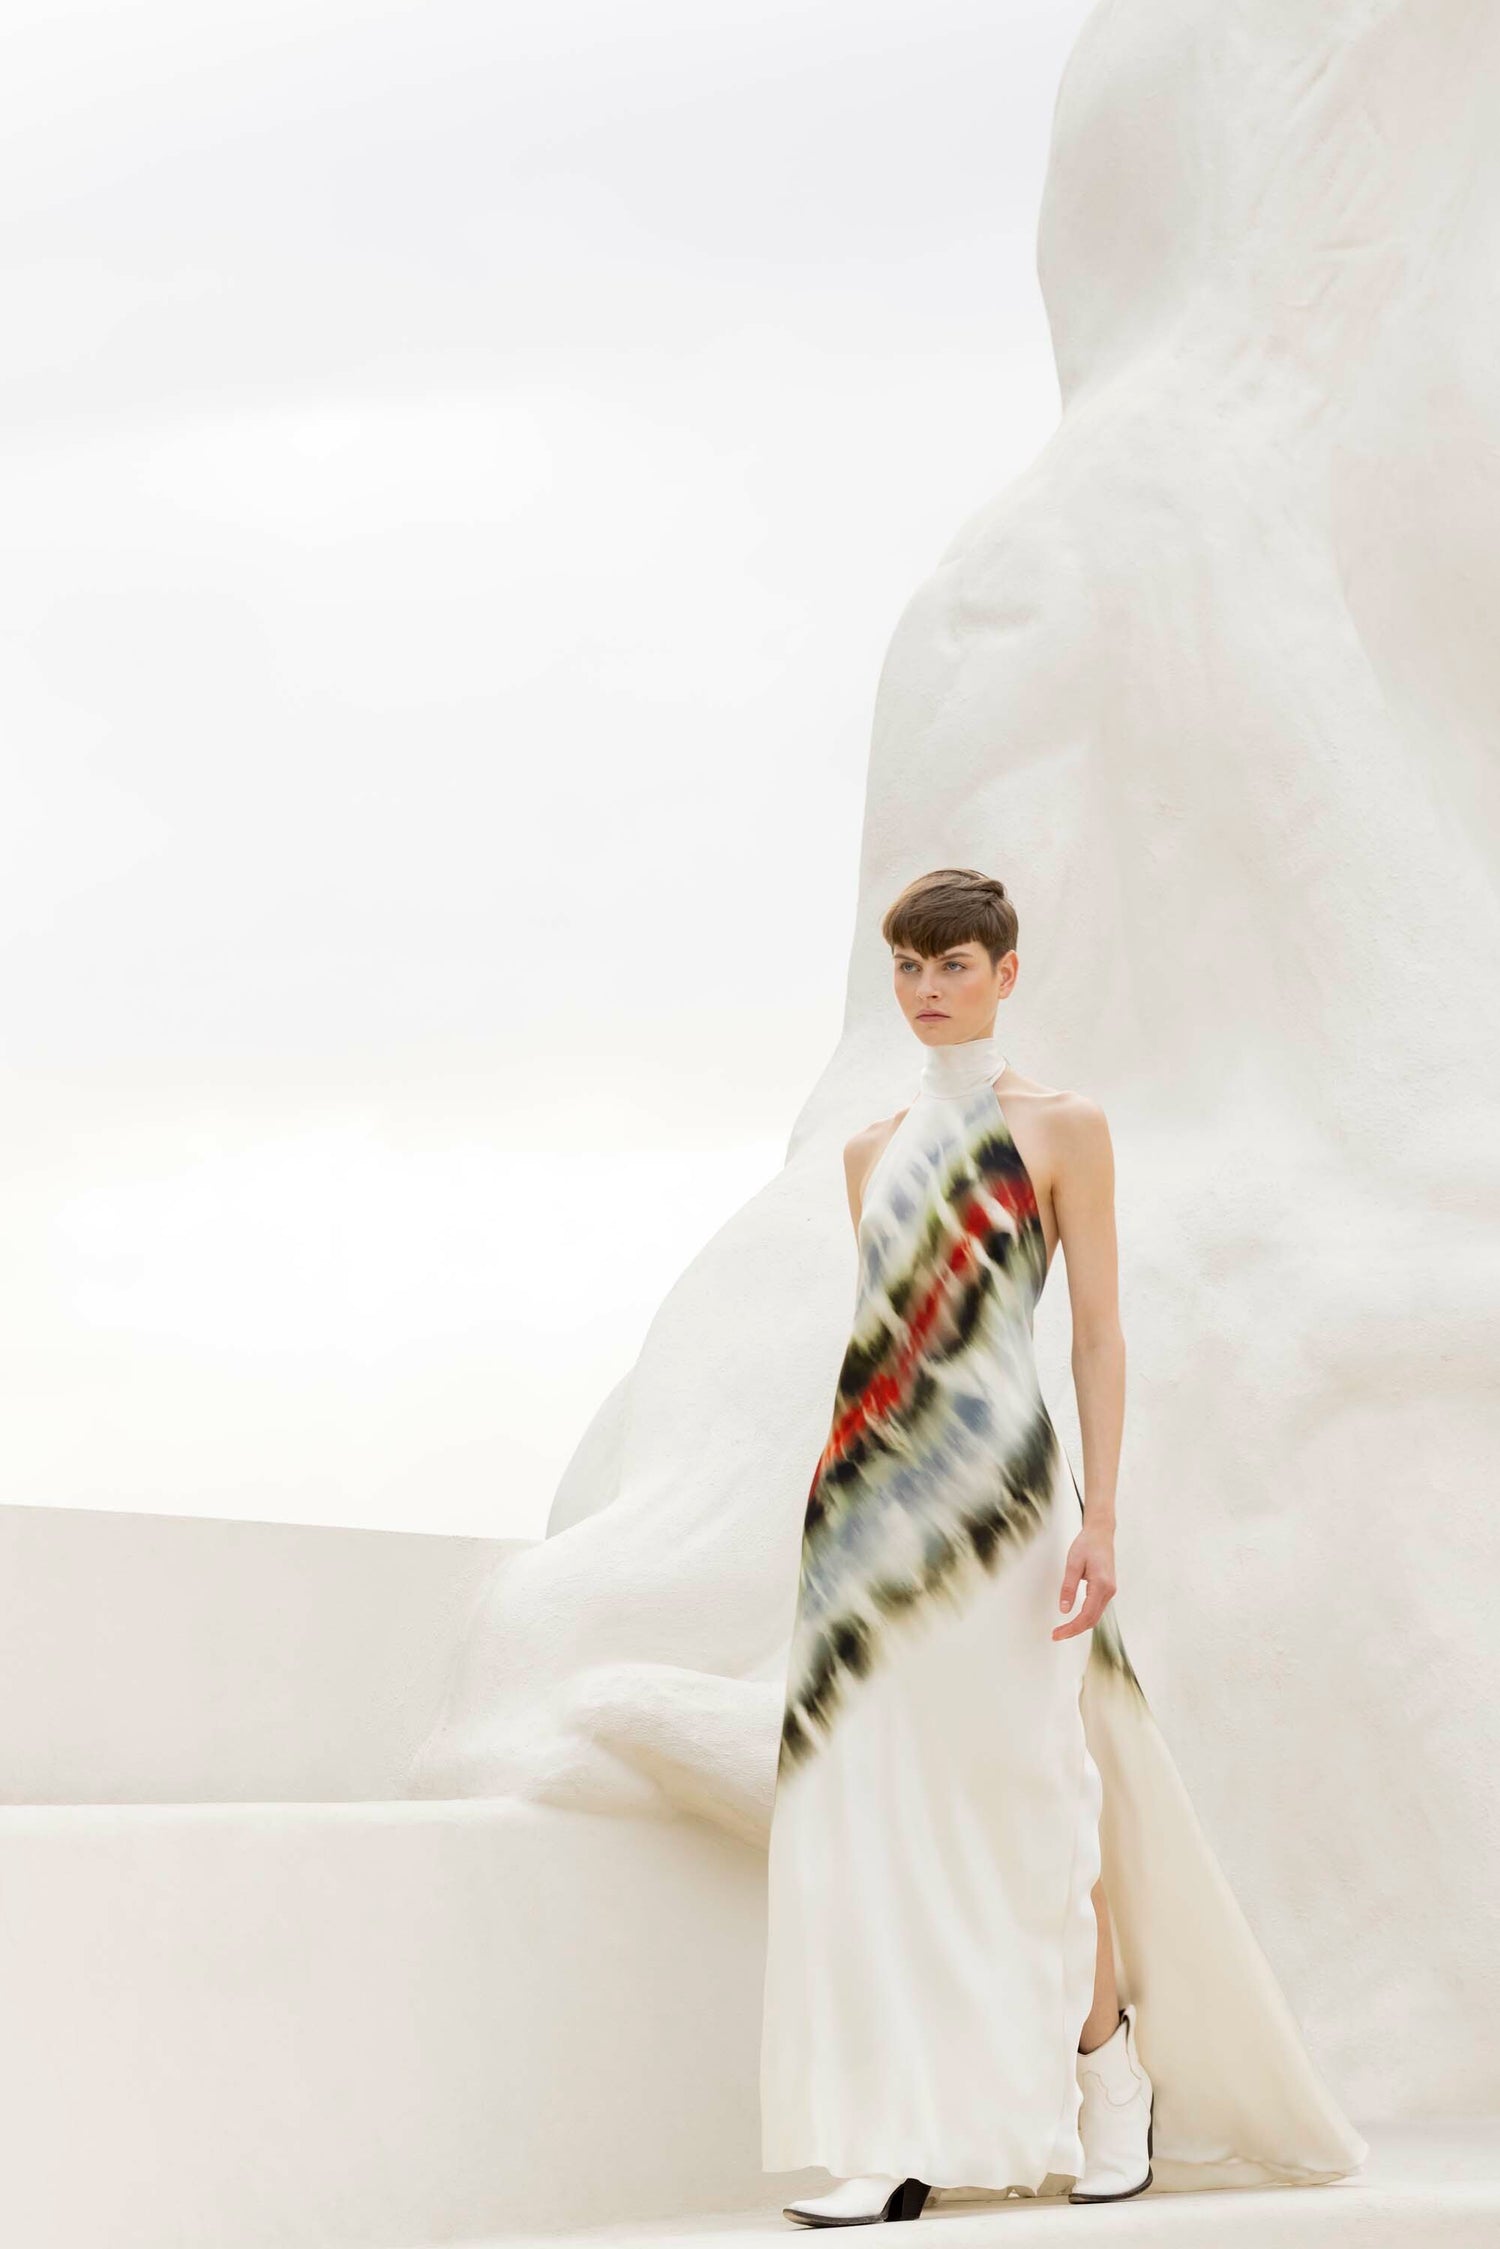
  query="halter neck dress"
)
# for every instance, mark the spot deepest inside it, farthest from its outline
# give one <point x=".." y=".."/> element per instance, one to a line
<point x="952" y="1781"/>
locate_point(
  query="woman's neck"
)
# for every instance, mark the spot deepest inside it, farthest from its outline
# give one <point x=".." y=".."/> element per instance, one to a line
<point x="961" y="1067"/>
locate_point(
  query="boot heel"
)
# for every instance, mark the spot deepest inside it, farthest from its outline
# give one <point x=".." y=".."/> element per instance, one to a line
<point x="908" y="2199"/>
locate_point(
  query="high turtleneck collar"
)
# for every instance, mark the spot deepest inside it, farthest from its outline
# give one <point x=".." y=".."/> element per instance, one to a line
<point x="960" y="1068"/>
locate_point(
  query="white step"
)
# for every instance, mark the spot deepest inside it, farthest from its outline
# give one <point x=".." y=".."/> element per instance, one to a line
<point x="231" y="2026"/>
<point x="172" y="1658"/>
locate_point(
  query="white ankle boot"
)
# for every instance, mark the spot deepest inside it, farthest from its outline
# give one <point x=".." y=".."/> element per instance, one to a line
<point x="861" y="2202"/>
<point x="1115" y="2119"/>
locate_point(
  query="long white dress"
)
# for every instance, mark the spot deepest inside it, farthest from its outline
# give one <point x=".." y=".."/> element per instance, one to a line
<point x="952" y="1780"/>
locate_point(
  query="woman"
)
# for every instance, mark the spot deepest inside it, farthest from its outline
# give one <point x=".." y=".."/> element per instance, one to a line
<point x="982" y="1858"/>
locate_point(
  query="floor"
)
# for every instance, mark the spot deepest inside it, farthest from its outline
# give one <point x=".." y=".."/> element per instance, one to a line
<point x="1437" y="2182"/>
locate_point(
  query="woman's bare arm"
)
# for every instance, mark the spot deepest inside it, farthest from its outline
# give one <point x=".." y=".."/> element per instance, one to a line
<point x="1083" y="1202"/>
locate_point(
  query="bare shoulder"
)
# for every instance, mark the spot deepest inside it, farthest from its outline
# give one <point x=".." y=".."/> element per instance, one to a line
<point x="861" y="1154"/>
<point x="1066" y="1133"/>
<point x="1067" y="1111"/>
<point x="1080" y="1123"/>
<point x="862" y="1149"/>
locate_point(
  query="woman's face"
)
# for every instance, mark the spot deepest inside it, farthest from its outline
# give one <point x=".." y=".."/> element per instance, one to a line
<point x="947" y="997"/>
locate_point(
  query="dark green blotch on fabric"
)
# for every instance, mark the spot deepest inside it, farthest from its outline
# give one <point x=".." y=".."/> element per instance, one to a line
<point x="851" y="1644"/>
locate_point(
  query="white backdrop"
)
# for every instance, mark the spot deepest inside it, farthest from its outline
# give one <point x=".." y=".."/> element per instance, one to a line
<point x="461" y="465"/>
<point x="1212" y="685"/>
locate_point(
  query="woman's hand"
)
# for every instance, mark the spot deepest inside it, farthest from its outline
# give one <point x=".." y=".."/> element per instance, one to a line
<point x="1091" y="1559"/>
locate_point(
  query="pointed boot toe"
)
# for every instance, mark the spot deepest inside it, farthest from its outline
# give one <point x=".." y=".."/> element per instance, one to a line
<point x="861" y="2202"/>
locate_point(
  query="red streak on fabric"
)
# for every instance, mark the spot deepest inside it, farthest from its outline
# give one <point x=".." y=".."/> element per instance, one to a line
<point x="892" y="1380"/>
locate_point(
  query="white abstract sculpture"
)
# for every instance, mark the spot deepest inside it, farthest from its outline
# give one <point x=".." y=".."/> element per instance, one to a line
<point x="1213" y="687"/>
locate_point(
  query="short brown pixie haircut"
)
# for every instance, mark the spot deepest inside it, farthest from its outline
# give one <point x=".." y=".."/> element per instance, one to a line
<point x="950" y="907"/>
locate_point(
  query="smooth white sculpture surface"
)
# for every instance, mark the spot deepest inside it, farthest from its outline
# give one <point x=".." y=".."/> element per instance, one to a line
<point x="1214" y="687"/>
